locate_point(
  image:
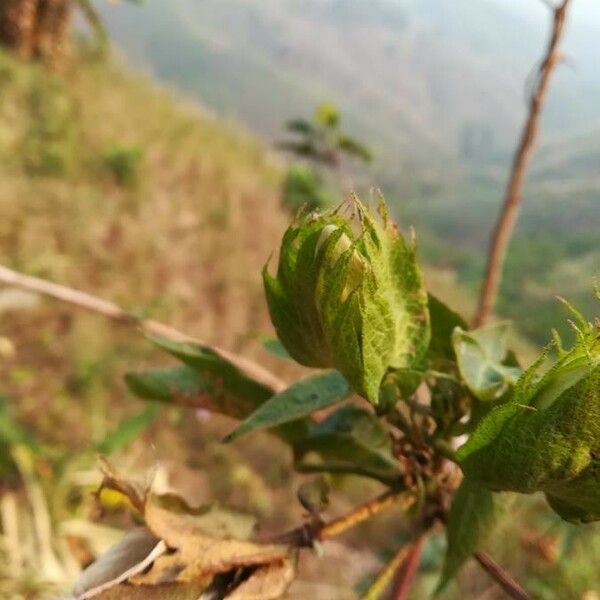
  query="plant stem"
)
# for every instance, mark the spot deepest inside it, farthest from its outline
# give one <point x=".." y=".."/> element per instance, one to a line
<point x="306" y="535"/>
<point x="364" y="512"/>
<point x="501" y="576"/>
<point x="409" y="570"/>
<point x="384" y="578"/>
<point x="112" y="311"/>
<point x="510" y="210"/>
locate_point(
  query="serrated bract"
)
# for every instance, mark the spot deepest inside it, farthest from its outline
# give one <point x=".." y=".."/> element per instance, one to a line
<point x="349" y="300"/>
<point x="547" y="437"/>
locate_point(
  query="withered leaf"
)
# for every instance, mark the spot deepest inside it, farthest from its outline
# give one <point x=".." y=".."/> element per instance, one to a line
<point x="167" y="591"/>
<point x="198" y="554"/>
<point x="267" y="583"/>
<point x="132" y="554"/>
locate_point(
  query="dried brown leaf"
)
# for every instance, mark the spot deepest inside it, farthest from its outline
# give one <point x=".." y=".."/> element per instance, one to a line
<point x="267" y="583"/>
<point x="167" y="591"/>
<point x="132" y="554"/>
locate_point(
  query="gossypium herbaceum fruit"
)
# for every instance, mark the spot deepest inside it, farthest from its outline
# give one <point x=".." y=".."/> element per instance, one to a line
<point x="349" y="295"/>
<point x="547" y="436"/>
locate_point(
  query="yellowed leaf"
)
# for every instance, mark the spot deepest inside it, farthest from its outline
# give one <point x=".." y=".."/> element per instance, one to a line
<point x="167" y="591"/>
<point x="197" y="554"/>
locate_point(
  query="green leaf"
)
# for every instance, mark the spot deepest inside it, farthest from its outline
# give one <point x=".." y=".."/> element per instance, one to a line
<point x="169" y="383"/>
<point x="128" y="430"/>
<point x="301" y="126"/>
<point x="480" y="355"/>
<point x="443" y="322"/>
<point x="236" y="393"/>
<point x="353" y="147"/>
<point x="350" y="436"/>
<point x="547" y="436"/>
<point x="299" y="400"/>
<point x="303" y="186"/>
<point x="328" y="115"/>
<point x="473" y="514"/>
<point x="186" y="387"/>
<point x="397" y="385"/>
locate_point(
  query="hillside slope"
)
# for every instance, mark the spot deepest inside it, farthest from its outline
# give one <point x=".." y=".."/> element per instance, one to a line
<point x="180" y="223"/>
<point x="109" y="185"/>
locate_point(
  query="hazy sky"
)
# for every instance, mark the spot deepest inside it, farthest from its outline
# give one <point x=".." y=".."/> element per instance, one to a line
<point x="581" y="10"/>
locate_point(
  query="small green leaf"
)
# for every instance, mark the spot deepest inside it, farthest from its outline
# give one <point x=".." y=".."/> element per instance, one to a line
<point x="225" y="381"/>
<point x="300" y="126"/>
<point x="128" y="430"/>
<point x="186" y="387"/>
<point x="354" y="147"/>
<point x="170" y="383"/>
<point x="299" y="400"/>
<point x="473" y="514"/>
<point x="350" y="436"/>
<point x="443" y="322"/>
<point x="328" y="115"/>
<point x="480" y="355"/>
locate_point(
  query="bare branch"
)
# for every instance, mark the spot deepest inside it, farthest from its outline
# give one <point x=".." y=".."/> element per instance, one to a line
<point x="501" y="576"/>
<point x="112" y="311"/>
<point x="513" y="196"/>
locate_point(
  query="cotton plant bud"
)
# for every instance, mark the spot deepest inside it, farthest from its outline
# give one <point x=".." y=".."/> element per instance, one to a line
<point x="348" y="294"/>
<point x="547" y="437"/>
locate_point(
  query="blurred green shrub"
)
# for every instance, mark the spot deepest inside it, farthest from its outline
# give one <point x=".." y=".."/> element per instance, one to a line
<point x="123" y="163"/>
<point x="50" y="140"/>
<point x="302" y="186"/>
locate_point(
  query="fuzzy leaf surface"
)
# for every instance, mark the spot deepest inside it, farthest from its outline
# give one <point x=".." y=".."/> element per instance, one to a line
<point x="298" y="401"/>
<point x="472" y="517"/>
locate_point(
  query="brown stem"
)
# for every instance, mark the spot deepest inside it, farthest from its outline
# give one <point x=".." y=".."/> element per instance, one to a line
<point x="115" y="313"/>
<point x="409" y="570"/>
<point x="513" y="196"/>
<point x="383" y="579"/>
<point x="501" y="576"/>
<point x="306" y="535"/>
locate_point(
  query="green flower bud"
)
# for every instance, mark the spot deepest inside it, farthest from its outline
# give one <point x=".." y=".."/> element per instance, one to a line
<point x="353" y="301"/>
<point x="547" y="437"/>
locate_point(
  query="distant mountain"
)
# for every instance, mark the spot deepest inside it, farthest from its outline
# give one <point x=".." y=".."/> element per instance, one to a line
<point x="437" y="87"/>
<point x="411" y="74"/>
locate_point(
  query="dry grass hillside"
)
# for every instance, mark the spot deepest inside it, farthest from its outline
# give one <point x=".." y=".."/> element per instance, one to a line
<point x="109" y="185"/>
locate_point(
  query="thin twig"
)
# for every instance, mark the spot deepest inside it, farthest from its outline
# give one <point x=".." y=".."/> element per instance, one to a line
<point x="501" y="576"/>
<point x="112" y="311"/>
<point x="513" y="196"/>
<point x="306" y="535"/>
<point x="409" y="569"/>
<point x="384" y="578"/>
